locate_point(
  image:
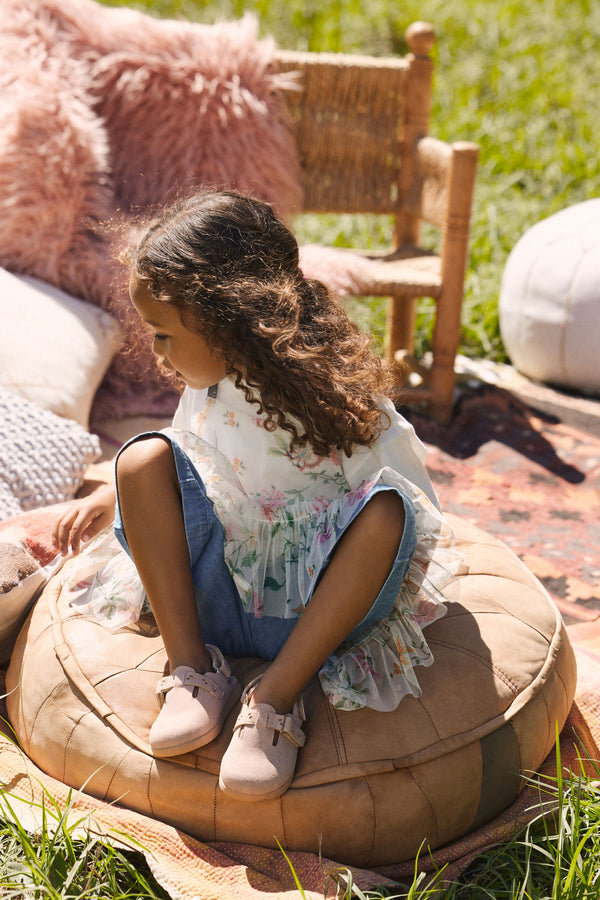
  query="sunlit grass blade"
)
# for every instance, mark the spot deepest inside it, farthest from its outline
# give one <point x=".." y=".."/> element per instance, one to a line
<point x="292" y="870"/>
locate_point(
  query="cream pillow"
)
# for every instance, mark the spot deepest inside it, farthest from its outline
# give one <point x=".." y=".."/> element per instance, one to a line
<point x="55" y="348"/>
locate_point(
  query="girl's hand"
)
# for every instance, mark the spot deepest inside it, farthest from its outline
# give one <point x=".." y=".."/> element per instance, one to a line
<point x="81" y="520"/>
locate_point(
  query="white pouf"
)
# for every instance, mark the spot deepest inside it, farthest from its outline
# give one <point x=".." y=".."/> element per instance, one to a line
<point x="549" y="303"/>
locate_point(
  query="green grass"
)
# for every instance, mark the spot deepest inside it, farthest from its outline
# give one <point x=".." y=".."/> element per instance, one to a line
<point x="556" y="857"/>
<point x="65" y="859"/>
<point x="519" y="77"/>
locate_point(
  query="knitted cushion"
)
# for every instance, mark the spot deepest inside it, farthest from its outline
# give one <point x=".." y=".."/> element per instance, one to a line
<point x="370" y="786"/>
<point x="43" y="458"/>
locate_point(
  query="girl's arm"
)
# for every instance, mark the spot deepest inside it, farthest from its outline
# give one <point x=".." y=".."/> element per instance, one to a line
<point x="82" y="519"/>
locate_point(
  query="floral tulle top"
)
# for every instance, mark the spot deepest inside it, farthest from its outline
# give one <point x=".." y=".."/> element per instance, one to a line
<point x="276" y="509"/>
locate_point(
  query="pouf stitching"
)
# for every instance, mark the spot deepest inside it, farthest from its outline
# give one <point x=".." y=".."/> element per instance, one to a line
<point x="73" y="671"/>
<point x="562" y="339"/>
<point x="456" y="741"/>
<point x="373" y="818"/>
<point x="76" y="723"/>
<point x="337" y="735"/>
<point x="490" y="666"/>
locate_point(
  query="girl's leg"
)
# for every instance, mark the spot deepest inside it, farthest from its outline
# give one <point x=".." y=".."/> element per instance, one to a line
<point x="152" y="518"/>
<point x="200" y="690"/>
<point x="358" y="569"/>
<point x="260" y="760"/>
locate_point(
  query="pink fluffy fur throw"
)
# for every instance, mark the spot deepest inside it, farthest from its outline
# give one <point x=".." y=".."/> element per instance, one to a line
<point x="107" y="113"/>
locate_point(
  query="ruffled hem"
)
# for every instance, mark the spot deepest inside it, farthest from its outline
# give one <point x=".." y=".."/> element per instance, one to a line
<point x="378" y="668"/>
<point x="104" y="583"/>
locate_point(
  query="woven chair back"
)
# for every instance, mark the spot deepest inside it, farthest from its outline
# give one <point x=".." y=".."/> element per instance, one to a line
<point x="347" y="116"/>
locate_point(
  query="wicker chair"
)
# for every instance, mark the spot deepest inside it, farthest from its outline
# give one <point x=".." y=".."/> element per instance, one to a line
<point x="361" y="129"/>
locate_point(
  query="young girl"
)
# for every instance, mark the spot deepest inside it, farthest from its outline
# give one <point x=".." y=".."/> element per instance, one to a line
<point x="287" y="513"/>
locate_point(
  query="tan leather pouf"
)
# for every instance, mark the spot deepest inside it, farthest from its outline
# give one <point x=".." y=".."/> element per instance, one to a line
<point x="370" y="787"/>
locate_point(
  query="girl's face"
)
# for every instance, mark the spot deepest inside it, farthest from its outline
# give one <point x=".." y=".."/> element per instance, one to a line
<point x="184" y="352"/>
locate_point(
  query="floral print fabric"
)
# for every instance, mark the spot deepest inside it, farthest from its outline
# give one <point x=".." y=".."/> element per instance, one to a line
<point x="283" y="513"/>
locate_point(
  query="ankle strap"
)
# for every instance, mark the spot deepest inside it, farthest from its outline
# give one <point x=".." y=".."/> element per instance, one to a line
<point x="289" y="725"/>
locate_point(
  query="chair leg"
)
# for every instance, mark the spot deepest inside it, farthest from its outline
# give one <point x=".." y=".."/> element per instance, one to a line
<point x="441" y="392"/>
<point x="446" y="338"/>
<point x="400" y="332"/>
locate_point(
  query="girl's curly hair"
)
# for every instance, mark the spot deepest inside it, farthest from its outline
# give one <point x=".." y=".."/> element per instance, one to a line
<point x="231" y="268"/>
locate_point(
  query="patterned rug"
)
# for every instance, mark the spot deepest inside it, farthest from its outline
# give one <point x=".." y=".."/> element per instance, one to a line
<point x="520" y="473"/>
<point x="530" y="479"/>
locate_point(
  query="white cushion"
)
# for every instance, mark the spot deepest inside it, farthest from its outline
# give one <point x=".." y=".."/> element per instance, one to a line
<point x="55" y="348"/>
<point x="549" y="302"/>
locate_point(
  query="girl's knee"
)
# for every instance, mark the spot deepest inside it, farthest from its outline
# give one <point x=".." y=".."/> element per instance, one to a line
<point x="384" y="515"/>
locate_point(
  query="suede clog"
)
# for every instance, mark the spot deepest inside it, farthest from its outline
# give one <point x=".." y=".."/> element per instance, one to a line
<point x="195" y="707"/>
<point x="260" y="761"/>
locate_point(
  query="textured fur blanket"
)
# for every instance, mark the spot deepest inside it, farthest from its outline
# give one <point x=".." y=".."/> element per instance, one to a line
<point x="105" y="114"/>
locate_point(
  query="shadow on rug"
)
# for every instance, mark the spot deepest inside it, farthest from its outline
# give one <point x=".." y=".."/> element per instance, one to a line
<point x="532" y="481"/>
